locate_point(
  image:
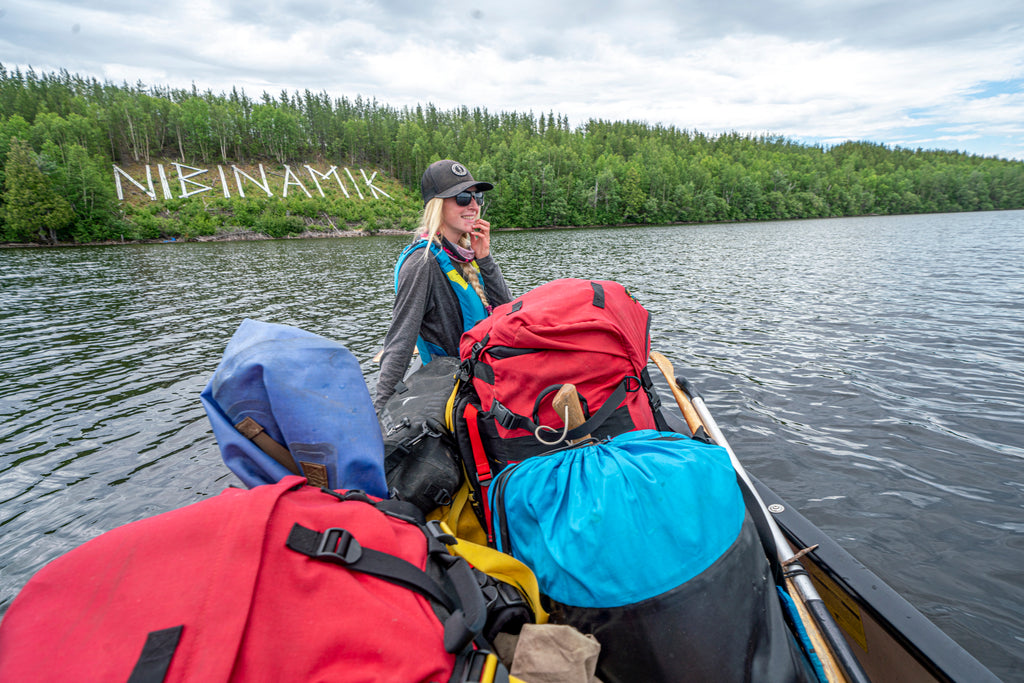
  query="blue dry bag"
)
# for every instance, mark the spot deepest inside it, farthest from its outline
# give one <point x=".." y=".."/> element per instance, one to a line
<point x="308" y="395"/>
<point x="644" y="542"/>
<point x="620" y="521"/>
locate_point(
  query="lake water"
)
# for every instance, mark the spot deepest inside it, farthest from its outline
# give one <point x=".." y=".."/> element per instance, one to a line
<point x="869" y="370"/>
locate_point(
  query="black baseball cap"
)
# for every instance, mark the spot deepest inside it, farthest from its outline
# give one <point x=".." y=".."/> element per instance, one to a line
<point x="447" y="178"/>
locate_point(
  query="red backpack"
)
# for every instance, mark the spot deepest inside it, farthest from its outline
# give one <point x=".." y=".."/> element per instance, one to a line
<point x="283" y="582"/>
<point x="589" y="333"/>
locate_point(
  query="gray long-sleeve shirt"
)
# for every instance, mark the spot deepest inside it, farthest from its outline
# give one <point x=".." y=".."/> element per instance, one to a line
<point x="427" y="306"/>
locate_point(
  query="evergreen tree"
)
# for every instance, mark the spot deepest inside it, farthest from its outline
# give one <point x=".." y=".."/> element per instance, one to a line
<point x="33" y="211"/>
<point x="601" y="173"/>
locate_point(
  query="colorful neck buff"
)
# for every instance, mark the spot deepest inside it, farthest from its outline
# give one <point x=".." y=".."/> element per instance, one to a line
<point x="459" y="253"/>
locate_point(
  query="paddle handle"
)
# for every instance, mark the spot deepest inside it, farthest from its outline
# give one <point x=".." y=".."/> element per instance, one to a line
<point x="568" y="397"/>
<point x="693" y="420"/>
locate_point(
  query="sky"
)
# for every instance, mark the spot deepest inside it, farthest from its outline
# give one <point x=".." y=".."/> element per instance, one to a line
<point x="931" y="74"/>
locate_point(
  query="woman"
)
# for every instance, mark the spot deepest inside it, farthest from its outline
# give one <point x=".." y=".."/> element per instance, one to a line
<point x="446" y="280"/>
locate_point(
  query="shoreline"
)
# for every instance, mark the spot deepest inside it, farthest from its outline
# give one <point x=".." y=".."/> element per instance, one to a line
<point x="230" y="236"/>
<point x="242" y="235"/>
<point x="251" y="236"/>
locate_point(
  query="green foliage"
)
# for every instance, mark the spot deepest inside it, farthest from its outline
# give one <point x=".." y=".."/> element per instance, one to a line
<point x="83" y="180"/>
<point x="601" y="173"/>
<point x="33" y="211"/>
<point x="146" y="225"/>
<point x="273" y="224"/>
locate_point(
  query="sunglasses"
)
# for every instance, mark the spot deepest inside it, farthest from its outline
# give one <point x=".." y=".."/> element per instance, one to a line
<point x="463" y="198"/>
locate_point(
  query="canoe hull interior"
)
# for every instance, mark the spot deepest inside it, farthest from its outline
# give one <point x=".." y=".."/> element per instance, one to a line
<point x="892" y="640"/>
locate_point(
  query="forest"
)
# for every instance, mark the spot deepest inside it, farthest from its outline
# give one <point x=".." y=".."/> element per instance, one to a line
<point x="62" y="134"/>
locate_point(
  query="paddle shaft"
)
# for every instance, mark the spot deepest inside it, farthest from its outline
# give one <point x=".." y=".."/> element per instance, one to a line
<point x="837" y="659"/>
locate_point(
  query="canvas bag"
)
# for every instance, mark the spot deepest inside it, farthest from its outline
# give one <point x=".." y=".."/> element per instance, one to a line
<point x="227" y="589"/>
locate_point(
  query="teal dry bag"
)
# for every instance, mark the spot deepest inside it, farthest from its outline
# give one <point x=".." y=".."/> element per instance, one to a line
<point x="644" y="541"/>
<point x="581" y="518"/>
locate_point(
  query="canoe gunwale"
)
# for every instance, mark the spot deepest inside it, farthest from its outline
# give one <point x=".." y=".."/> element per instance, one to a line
<point x="936" y="652"/>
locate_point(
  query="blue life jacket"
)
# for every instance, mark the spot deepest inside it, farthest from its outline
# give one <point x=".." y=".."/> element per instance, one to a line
<point x="473" y="310"/>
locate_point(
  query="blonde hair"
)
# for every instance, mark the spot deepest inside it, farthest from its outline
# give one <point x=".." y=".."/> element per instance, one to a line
<point x="429" y="229"/>
<point x="430" y="221"/>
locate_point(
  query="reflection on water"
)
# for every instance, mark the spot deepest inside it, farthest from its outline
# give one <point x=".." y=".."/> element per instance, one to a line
<point x="869" y="370"/>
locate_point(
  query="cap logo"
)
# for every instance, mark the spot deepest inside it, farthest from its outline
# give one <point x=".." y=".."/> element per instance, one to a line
<point x="459" y="170"/>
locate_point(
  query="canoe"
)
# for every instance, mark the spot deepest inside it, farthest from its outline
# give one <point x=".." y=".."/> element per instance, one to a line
<point x="891" y="639"/>
<point x="886" y="636"/>
<point x="861" y="628"/>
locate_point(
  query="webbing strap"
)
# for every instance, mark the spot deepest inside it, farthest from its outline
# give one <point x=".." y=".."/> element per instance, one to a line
<point x="156" y="656"/>
<point x="467" y="611"/>
<point x="483" y="466"/>
<point x="509" y="420"/>
<point x="338" y="546"/>
<point x="253" y="430"/>
<point x="602" y="414"/>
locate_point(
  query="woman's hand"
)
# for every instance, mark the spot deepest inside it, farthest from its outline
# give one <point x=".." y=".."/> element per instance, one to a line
<point x="480" y="238"/>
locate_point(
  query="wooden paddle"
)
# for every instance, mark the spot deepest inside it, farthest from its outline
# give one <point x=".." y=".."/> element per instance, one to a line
<point x="835" y="654"/>
<point x="693" y="420"/>
<point x="568" y="398"/>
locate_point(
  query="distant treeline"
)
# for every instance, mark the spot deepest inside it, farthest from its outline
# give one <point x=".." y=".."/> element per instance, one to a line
<point x="61" y="134"/>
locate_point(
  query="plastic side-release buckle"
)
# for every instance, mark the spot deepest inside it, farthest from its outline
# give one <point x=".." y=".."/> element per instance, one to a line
<point x="477" y="349"/>
<point x="338" y="545"/>
<point x="439" y="530"/>
<point x="505" y="417"/>
<point x="465" y="371"/>
<point x="351" y="494"/>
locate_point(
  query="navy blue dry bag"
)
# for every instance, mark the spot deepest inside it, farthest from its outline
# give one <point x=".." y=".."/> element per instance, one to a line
<point x="286" y="401"/>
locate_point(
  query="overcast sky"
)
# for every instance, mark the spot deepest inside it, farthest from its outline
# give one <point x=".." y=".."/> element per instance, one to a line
<point x="936" y="74"/>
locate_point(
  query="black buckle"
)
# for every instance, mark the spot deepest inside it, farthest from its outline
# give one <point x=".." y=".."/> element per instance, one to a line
<point x="475" y="351"/>
<point x="338" y="545"/>
<point x="505" y="417"/>
<point x="434" y="527"/>
<point x="351" y="494"/>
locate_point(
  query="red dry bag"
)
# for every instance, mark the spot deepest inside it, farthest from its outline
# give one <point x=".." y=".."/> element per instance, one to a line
<point x="283" y="582"/>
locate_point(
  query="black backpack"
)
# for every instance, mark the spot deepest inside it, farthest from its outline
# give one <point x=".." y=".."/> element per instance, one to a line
<point x="421" y="463"/>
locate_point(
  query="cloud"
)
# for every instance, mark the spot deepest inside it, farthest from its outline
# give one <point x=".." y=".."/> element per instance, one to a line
<point x="936" y="74"/>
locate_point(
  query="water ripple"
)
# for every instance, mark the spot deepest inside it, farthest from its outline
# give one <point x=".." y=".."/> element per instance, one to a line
<point x="869" y="370"/>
